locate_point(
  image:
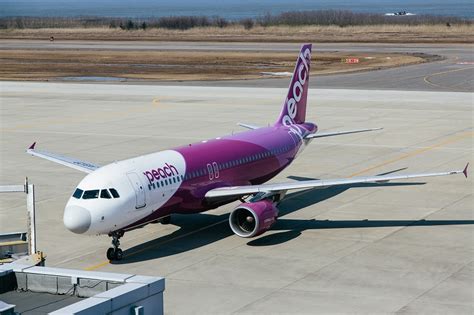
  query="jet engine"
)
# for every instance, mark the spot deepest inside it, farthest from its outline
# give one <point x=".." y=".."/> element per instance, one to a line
<point x="250" y="219"/>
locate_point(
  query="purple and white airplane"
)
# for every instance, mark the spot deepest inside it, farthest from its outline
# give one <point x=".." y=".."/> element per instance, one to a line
<point x="128" y="194"/>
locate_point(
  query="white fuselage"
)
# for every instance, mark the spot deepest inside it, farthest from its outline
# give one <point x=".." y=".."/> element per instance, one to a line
<point x="99" y="212"/>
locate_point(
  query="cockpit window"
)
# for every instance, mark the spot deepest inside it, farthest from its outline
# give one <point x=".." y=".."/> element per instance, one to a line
<point x="78" y="193"/>
<point x="104" y="193"/>
<point x="114" y="193"/>
<point x="91" y="194"/>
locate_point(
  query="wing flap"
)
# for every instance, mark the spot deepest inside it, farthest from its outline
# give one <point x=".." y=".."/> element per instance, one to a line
<point x="63" y="160"/>
<point x="307" y="184"/>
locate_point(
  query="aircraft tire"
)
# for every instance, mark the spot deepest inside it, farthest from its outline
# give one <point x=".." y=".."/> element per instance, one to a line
<point x="166" y="220"/>
<point x="110" y="254"/>
<point x="118" y="254"/>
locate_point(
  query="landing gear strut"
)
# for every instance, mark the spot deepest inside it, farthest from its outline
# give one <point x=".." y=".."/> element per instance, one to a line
<point x="115" y="253"/>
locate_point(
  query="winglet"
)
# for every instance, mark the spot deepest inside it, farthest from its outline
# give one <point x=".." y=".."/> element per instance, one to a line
<point x="32" y="147"/>
<point x="465" y="170"/>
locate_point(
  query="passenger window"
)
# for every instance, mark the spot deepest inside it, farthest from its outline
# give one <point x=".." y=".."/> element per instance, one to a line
<point x="78" y="193"/>
<point x="104" y="193"/>
<point x="114" y="193"/>
<point x="91" y="194"/>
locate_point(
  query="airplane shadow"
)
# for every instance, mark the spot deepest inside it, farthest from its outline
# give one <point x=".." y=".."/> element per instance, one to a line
<point x="197" y="230"/>
<point x="293" y="228"/>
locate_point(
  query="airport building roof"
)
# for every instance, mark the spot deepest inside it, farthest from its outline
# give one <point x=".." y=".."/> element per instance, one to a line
<point x="43" y="290"/>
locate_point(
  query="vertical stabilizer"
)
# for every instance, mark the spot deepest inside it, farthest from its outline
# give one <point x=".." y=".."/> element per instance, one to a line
<point x="294" y="107"/>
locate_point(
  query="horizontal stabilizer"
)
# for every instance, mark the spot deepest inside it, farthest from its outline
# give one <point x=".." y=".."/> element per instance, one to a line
<point x="338" y="133"/>
<point x="63" y="160"/>
<point x="247" y="126"/>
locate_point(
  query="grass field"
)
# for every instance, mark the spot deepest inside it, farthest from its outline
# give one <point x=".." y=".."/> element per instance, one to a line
<point x="237" y="33"/>
<point x="51" y="64"/>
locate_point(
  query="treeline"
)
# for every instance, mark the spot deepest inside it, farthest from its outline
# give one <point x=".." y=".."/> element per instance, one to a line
<point x="295" y="18"/>
<point x="172" y="22"/>
<point x="348" y="18"/>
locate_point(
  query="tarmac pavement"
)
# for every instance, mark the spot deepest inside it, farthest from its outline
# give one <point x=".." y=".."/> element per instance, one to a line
<point x="399" y="247"/>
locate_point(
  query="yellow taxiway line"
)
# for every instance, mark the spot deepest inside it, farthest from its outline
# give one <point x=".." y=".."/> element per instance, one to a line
<point x="427" y="77"/>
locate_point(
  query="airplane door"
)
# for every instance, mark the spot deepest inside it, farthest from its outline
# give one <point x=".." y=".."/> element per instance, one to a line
<point x="140" y="199"/>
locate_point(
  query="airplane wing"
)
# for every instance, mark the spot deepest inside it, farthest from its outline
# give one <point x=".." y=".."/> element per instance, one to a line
<point x="64" y="160"/>
<point x="323" y="183"/>
<point x="338" y="133"/>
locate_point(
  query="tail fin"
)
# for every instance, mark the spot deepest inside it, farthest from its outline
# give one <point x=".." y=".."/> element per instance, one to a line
<point x="294" y="108"/>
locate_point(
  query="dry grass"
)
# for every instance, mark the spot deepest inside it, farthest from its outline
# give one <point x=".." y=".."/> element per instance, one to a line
<point x="373" y="33"/>
<point x="176" y="65"/>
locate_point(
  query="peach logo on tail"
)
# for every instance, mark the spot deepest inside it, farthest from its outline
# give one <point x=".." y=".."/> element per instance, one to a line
<point x="297" y="87"/>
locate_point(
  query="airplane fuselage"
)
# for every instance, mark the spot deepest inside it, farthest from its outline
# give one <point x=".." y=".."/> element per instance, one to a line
<point x="175" y="181"/>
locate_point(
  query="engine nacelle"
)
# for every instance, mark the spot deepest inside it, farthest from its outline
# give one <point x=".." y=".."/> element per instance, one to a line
<point x="253" y="218"/>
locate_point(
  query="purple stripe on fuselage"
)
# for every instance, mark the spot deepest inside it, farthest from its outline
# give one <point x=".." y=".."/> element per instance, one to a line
<point x="246" y="158"/>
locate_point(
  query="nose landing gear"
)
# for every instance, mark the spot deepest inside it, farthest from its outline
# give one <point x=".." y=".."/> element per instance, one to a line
<point x="115" y="253"/>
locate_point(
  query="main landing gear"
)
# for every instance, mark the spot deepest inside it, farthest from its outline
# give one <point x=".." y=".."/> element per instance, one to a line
<point x="115" y="253"/>
<point x="165" y="220"/>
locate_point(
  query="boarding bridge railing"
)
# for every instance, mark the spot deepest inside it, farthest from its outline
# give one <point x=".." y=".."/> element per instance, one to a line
<point x="29" y="190"/>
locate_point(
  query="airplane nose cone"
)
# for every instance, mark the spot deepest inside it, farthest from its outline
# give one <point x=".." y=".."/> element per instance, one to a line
<point x="77" y="219"/>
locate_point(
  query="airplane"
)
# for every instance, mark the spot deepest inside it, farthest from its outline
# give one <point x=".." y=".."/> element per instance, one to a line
<point x="197" y="177"/>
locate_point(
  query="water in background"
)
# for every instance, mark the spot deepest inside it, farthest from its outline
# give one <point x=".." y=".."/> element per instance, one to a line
<point x="230" y="9"/>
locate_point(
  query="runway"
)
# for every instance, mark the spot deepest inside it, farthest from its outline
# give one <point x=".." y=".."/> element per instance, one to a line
<point x="455" y="73"/>
<point x="405" y="248"/>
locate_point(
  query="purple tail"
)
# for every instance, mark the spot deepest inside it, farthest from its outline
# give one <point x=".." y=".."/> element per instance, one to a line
<point x="294" y="108"/>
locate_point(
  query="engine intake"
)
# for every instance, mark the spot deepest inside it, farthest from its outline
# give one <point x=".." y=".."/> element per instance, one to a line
<point x="253" y="218"/>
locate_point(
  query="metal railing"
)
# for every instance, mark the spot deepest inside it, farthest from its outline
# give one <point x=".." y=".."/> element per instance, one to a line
<point x="29" y="190"/>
